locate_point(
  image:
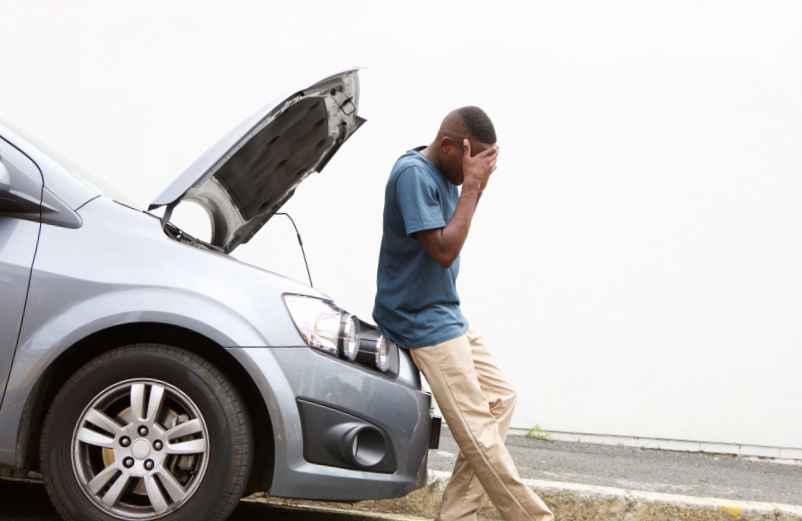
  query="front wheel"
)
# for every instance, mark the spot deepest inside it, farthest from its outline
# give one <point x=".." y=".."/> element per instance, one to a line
<point x="147" y="432"/>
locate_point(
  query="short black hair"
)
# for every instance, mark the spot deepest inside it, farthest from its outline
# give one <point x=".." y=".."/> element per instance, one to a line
<point x="478" y="124"/>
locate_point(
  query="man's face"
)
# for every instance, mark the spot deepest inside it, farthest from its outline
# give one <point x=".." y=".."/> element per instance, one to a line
<point x="452" y="150"/>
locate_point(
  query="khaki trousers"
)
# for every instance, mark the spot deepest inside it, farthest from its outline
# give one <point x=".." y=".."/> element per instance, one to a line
<point x="477" y="402"/>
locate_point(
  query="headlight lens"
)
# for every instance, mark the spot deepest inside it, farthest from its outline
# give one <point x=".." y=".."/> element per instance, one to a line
<point x="350" y="337"/>
<point x="324" y="326"/>
<point x="318" y="322"/>
<point x="383" y="354"/>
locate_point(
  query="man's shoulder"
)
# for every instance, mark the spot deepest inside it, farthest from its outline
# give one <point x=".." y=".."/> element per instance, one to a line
<point x="414" y="165"/>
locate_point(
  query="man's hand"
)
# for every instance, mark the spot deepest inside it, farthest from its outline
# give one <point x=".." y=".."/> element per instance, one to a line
<point x="476" y="169"/>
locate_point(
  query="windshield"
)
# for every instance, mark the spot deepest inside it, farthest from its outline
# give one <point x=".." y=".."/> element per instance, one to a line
<point x="68" y="165"/>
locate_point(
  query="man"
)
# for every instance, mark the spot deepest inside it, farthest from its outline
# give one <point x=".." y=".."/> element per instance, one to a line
<point x="426" y="222"/>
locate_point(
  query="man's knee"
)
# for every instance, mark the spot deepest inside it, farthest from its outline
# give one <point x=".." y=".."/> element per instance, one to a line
<point x="505" y="403"/>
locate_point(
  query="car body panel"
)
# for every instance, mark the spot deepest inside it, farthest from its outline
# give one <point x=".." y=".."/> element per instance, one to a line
<point x="18" y="239"/>
<point x="247" y="176"/>
<point x="88" y="279"/>
<point x="403" y="412"/>
<point x="16" y="257"/>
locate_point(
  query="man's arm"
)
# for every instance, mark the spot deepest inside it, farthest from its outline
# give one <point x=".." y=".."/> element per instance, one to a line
<point x="444" y="244"/>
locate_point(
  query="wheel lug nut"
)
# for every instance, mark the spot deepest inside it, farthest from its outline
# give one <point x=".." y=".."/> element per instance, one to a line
<point x="143" y="431"/>
<point x="149" y="464"/>
<point x="125" y="441"/>
<point x="158" y="445"/>
<point x="128" y="462"/>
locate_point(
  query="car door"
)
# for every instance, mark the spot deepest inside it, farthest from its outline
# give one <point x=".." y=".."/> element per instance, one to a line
<point x="20" y="215"/>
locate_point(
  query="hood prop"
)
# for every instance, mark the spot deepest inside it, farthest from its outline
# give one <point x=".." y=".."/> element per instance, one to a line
<point x="300" y="243"/>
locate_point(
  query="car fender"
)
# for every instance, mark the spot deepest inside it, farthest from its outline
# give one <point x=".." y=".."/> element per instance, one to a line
<point x="42" y="347"/>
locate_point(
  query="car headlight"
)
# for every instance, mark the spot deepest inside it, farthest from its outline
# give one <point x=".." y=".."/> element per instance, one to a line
<point x="326" y="327"/>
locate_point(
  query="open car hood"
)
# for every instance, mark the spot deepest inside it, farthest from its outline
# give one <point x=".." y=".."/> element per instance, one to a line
<point x="247" y="176"/>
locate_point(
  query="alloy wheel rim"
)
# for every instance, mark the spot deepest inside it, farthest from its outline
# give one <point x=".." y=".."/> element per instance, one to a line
<point x="140" y="449"/>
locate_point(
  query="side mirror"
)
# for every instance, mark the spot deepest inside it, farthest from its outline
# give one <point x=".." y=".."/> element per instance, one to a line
<point x="5" y="178"/>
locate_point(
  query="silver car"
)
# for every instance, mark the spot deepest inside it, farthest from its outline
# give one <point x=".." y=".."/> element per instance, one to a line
<point x="146" y="374"/>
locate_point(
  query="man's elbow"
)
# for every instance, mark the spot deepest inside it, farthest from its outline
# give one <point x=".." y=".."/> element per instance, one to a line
<point x="445" y="260"/>
<point x="442" y="254"/>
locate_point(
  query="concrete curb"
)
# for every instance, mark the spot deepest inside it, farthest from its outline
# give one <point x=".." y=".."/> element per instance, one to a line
<point x="577" y="502"/>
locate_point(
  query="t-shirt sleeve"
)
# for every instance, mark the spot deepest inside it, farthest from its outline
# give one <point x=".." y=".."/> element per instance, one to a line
<point x="418" y="201"/>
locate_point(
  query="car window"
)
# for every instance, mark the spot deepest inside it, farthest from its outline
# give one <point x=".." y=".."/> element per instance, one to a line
<point x="75" y="170"/>
<point x="23" y="176"/>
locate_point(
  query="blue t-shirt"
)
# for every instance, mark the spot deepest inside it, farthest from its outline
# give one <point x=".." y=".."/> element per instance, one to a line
<point x="416" y="299"/>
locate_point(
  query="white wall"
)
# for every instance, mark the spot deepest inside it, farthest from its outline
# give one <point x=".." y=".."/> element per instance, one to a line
<point x="636" y="260"/>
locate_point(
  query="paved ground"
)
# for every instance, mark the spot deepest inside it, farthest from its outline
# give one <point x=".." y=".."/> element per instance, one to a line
<point x="622" y="467"/>
<point x="643" y="469"/>
<point x="29" y="502"/>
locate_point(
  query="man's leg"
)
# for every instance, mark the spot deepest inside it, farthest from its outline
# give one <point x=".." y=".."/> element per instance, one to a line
<point x="464" y="495"/>
<point x="453" y="378"/>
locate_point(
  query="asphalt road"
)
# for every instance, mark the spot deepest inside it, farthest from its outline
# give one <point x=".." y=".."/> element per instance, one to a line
<point x="684" y="473"/>
<point x="623" y="467"/>
<point x="29" y="502"/>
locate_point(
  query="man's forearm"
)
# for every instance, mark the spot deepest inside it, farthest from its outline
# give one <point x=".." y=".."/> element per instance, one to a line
<point x="455" y="233"/>
<point x="445" y="244"/>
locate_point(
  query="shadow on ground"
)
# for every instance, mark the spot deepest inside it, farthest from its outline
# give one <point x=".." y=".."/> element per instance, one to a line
<point x="29" y="502"/>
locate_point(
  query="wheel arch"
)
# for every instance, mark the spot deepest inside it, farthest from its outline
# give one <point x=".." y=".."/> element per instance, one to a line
<point x="84" y="350"/>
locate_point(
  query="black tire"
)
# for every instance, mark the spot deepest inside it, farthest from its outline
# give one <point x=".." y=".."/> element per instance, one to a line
<point x="230" y="447"/>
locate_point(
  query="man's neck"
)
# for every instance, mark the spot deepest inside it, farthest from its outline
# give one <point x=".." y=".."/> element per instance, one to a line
<point x="428" y="153"/>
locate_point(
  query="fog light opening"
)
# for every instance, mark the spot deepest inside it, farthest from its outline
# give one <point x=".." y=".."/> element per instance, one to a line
<point x="368" y="447"/>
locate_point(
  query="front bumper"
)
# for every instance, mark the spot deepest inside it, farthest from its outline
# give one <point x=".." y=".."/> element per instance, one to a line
<point x="343" y="395"/>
